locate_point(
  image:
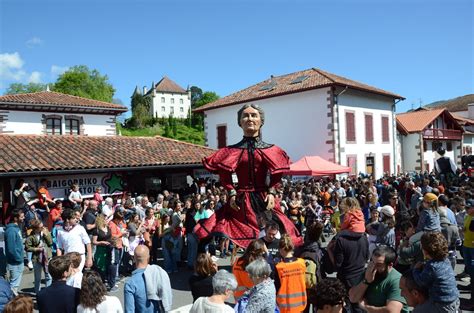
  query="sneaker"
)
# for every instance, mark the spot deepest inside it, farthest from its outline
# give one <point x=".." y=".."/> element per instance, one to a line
<point x="30" y="265"/>
<point x="114" y="289"/>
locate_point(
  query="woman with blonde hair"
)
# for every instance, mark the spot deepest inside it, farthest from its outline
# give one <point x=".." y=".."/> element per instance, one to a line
<point x="255" y="250"/>
<point x="102" y="239"/>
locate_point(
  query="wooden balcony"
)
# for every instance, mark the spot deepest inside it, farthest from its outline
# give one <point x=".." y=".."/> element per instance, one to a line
<point x="439" y="133"/>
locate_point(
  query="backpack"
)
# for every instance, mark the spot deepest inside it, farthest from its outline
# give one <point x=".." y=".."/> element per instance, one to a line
<point x="310" y="277"/>
<point x="312" y="260"/>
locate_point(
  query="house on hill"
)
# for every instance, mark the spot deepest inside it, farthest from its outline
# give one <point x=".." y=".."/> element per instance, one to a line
<point x="168" y="99"/>
<point x="462" y="108"/>
<point x="67" y="139"/>
<point x="313" y="112"/>
<point x="422" y="132"/>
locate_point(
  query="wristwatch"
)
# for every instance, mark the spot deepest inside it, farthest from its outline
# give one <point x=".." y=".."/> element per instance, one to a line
<point x="365" y="282"/>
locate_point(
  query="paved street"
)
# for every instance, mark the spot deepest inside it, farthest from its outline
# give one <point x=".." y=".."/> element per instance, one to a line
<point x="179" y="282"/>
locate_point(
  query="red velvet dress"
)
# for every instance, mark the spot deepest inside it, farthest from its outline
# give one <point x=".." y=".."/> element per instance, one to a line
<point x="252" y="161"/>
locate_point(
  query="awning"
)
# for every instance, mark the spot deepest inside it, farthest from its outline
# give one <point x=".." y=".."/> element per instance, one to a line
<point x="316" y="166"/>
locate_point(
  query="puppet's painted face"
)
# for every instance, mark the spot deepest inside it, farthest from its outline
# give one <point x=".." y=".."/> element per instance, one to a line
<point x="250" y="121"/>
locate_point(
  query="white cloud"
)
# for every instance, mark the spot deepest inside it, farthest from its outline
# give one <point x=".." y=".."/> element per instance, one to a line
<point x="35" y="41"/>
<point x="35" y="77"/>
<point x="57" y="70"/>
<point x="11" y="67"/>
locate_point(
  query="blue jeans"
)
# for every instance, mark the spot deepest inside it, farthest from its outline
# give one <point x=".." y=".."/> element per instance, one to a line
<point x="118" y="254"/>
<point x="38" y="268"/>
<point x="192" y="243"/>
<point x="171" y="255"/>
<point x="15" y="272"/>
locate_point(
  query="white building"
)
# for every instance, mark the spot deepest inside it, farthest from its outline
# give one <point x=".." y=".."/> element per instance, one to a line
<point x="67" y="139"/>
<point x="52" y="113"/>
<point x="462" y="108"/>
<point x="422" y="132"/>
<point x="168" y="98"/>
<point x="313" y="112"/>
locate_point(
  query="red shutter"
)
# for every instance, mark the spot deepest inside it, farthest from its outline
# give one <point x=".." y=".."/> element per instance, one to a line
<point x="221" y="136"/>
<point x="369" y="129"/>
<point x="386" y="164"/>
<point x="352" y="163"/>
<point x="385" y="132"/>
<point x="350" y="127"/>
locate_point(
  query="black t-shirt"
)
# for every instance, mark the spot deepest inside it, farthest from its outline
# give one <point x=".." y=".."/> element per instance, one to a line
<point x="101" y="235"/>
<point x="200" y="286"/>
<point x="89" y="219"/>
<point x="272" y="247"/>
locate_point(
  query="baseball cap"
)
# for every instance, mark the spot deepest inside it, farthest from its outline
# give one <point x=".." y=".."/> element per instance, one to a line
<point x="470" y="203"/>
<point x="387" y="211"/>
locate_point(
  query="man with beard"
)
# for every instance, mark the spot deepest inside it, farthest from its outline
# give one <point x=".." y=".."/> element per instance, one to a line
<point x="379" y="287"/>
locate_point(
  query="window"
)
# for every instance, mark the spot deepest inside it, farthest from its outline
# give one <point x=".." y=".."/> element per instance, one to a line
<point x="449" y="146"/>
<point x="369" y="128"/>
<point x="350" y="127"/>
<point x="172" y="100"/>
<point x="53" y="126"/>
<point x="385" y="131"/>
<point x="163" y="109"/>
<point x="171" y="110"/>
<point x="221" y="136"/>
<point x="181" y="101"/>
<point x="181" y="109"/>
<point x="386" y="163"/>
<point x="72" y="127"/>
<point x="352" y="163"/>
<point x="162" y="99"/>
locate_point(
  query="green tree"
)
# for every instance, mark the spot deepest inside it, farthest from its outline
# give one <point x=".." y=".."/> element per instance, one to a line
<point x="17" y="88"/>
<point x="197" y="119"/>
<point x="140" y="111"/>
<point x="83" y="82"/>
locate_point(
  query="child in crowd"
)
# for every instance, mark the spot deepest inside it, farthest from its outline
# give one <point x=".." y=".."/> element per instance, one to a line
<point x="353" y="217"/>
<point x="429" y="216"/>
<point x="75" y="278"/>
<point x="437" y="274"/>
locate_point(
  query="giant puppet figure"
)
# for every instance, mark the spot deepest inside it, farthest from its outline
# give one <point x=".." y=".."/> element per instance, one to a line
<point x="259" y="167"/>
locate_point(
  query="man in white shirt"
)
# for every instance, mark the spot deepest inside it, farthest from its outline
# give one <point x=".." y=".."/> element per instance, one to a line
<point x="72" y="237"/>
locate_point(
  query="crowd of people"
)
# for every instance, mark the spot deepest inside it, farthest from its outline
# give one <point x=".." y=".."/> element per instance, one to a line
<point x="394" y="244"/>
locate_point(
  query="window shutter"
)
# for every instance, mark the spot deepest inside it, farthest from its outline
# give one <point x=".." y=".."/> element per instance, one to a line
<point x="221" y="136"/>
<point x="385" y="132"/>
<point x="386" y="164"/>
<point x="350" y="126"/>
<point x="369" y="129"/>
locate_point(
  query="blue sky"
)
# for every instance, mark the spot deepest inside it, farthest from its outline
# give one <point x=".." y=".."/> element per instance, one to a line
<point x="422" y="50"/>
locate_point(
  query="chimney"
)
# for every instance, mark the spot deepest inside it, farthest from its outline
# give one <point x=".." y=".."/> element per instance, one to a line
<point x="144" y="89"/>
<point x="153" y="88"/>
<point x="470" y="110"/>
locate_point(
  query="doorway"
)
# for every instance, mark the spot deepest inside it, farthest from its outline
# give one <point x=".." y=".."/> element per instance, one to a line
<point x="370" y="165"/>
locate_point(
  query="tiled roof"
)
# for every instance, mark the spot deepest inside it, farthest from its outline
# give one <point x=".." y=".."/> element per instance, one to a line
<point x="417" y="121"/>
<point x="56" y="99"/>
<point x="463" y="120"/>
<point x="167" y="85"/>
<point x="310" y="79"/>
<point x="27" y="153"/>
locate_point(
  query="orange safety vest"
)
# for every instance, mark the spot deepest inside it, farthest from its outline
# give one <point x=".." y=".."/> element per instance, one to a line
<point x="244" y="282"/>
<point x="291" y="297"/>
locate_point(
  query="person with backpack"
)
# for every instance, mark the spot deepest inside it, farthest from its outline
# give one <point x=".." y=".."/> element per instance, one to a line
<point x="311" y="253"/>
<point x="290" y="278"/>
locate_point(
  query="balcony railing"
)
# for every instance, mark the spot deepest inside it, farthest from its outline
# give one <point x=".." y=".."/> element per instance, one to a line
<point x="439" y="133"/>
